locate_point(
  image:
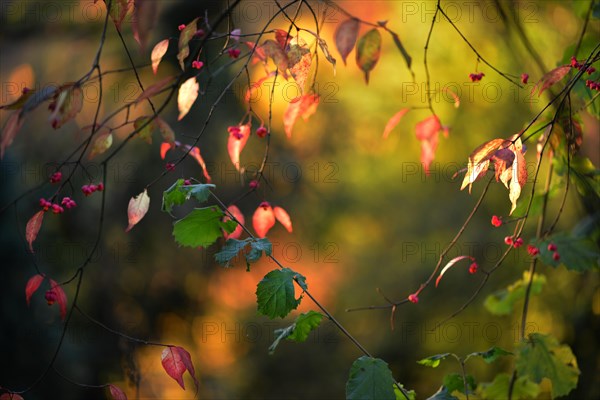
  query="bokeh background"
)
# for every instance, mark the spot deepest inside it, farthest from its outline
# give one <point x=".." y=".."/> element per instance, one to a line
<point x="365" y="214"/>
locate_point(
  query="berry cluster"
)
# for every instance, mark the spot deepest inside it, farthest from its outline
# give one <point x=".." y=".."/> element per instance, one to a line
<point x="56" y="177"/>
<point x="89" y="189"/>
<point x="576" y="64"/>
<point x="66" y="202"/>
<point x="197" y="64"/>
<point x="476" y="77"/>
<point x="552" y="247"/>
<point x="532" y="250"/>
<point x="592" y="85"/>
<point x="511" y="241"/>
<point x="496" y="221"/>
<point x="234" y="53"/>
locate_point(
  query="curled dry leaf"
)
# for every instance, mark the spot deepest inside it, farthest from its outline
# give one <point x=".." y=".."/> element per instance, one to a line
<point x="158" y="52"/>
<point x="283" y="217"/>
<point x="236" y="143"/>
<point x="263" y="219"/>
<point x="137" y="209"/>
<point x="277" y="53"/>
<point x="479" y="161"/>
<point x="450" y="264"/>
<point x="188" y="93"/>
<point x="300" y="59"/>
<point x="391" y="124"/>
<point x="345" y="35"/>
<point x="303" y="106"/>
<point x="237" y="214"/>
<point x="33" y="227"/>
<point x="32" y="286"/>
<point x="195" y="153"/>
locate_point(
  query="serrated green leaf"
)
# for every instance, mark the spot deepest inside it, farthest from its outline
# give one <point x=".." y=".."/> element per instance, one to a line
<point x="502" y="301"/>
<point x="231" y="249"/>
<point x="455" y="381"/>
<point x="498" y="389"/>
<point x="275" y="293"/>
<point x="257" y="247"/>
<point x="305" y="323"/>
<point x="201" y="227"/>
<point x="542" y="356"/>
<point x="200" y="192"/>
<point x="576" y="253"/>
<point x="490" y="355"/>
<point x="370" y="378"/>
<point x="368" y="50"/>
<point x="433" y="361"/>
<point x="442" y="394"/>
<point x="179" y="193"/>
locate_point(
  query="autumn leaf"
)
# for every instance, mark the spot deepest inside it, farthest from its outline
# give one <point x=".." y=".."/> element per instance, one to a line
<point x="345" y="37"/>
<point x="118" y="10"/>
<point x="153" y="90"/>
<point x="273" y="50"/>
<point x="33" y="227"/>
<point x="552" y="77"/>
<point x="158" y="52"/>
<point x="263" y="219"/>
<point x="146" y="132"/>
<point x="258" y="53"/>
<point x="237" y="214"/>
<point x="56" y="293"/>
<point x="116" y="392"/>
<point x="188" y="93"/>
<point x="184" y="39"/>
<point x="450" y="264"/>
<point x="10" y="130"/>
<point x="195" y="153"/>
<point x="391" y="124"/>
<point x="303" y="106"/>
<point x="282" y="38"/>
<point x="283" y="217"/>
<point x="400" y="47"/>
<point x="325" y="49"/>
<point x="164" y="147"/>
<point x="137" y="209"/>
<point x="176" y="360"/>
<point x="32" y="286"/>
<point x="368" y="50"/>
<point x="144" y="18"/>
<point x="479" y="161"/>
<point x="519" y="175"/>
<point x="102" y="143"/>
<point x="67" y="103"/>
<point x="427" y="132"/>
<point x="454" y="97"/>
<point x="253" y="88"/>
<point x="236" y="143"/>
<point x="300" y="59"/>
<point x="166" y="132"/>
<point x="10" y="396"/>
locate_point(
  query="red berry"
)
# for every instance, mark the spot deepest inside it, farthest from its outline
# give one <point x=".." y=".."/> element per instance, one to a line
<point x="93" y="188"/>
<point x="234" y="53"/>
<point x="187" y="182"/>
<point x="556" y="256"/>
<point x="197" y="64"/>
<point x="508" y="240"/>
<point x="170" y="167"/>
<point x="591" y="70"/>
<point x="532" y="250"/>
<point x="413" y="298"/>
<point x="551" y="247"/>
<point x="518" y="243"/>
<point x="51" y="297"/>
<point x="264" y="204"/>
<point x="574" y="63"/>
<point x="199" y="33"/>
<point x="181" y="27"/>
<point x="56" y="177"/>
<point x="253" y="184"/>
<point x="524" y="78"/>
<point x="496" y="221"/>
<point x="100" y="187"/>
<point x="473" y="268"/>
<point x="261" y="132"/>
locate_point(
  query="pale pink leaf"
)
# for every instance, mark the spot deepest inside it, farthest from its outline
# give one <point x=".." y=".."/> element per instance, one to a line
<point x="186" y="358"/>
<point x="552" y="77"/>
<point x="448" y="265"/>
<point x="237" y="214"/>
<point x="176" y="360"/>
<point x="117" y="393"/>
<point x="102" y="143"/>
<point x="158" y="52"/>
<point x="144" y="18"/>
<point x="153" y="90"/>
<point x="137" y="209"/>
<point x="188" y="93"/>
<point x="391" y="124"/>
<point x="61" y="298"/>
<point x="11" y="128"/>
<point x="33" y="227"/>
<point x="263" y="219"/>
<point x="427" y="132"/>
<point x="303" y="106"/>
<point x="236" y="143"/>
<point x="345" y="37"/>
<point x="479" y="161"/>
<point x="283" y="217"/>
<point x="32" y="285"/>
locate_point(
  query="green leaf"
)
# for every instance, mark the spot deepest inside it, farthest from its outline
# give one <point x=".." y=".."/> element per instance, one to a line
<point x="201" y="227"/>
<point x="442" y="394"/>
<point x="541" y="356"/>
<point x="184" y="39"/>
<point x="433" y="361"/>
<point x="256" y="249"/>
<point x="455" y="381"/>
<point x="498" y="389"/>
<point x="400" y="396"/>
<point x="368" y="50"/>
<point x="148" y="128"/>
<point x="400" y="47"/>
<point x="576" y="253"/>
<point x="370" y="378"/>
<point x="179" y="193"/>
<point x="502" y="301"/>
<point x="275" y="293"/>
<point x="305" y="323"/>
<point x="231" y="249"/>
<point x="490" y="355"/>
<point x="201" y="191"/>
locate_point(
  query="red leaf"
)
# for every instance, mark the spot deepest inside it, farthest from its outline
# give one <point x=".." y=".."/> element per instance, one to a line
<point x="368" y="50"/>
<point x="137" y="209"/>
<point x="450" y="264"/>
<point x="10" y="396"/>
<point x="176" y="360"/>
<point x="256" y="85"/>
<point x="116" y="392"/>
<point x="158" y="52"/>
<point x="195" y="152"/>
<point x="184" y="39"/>
<point x="144" y="17"/>
<point x="154" y="89"/>
<point x="394" y="121"/>
<point x="236" y="143"/>
<point x="427" y="131"/>
<point x="345" y="37"/>
<point x="33" y="227"/>
<point x="188" y="93"/>
<point x="263" y="219"/>
<point x="454" y="96"/>
<point x="164" y="147"/>
<point x="11" y="128"/>
<point x="282" y="38"/>
<point x="552" y="77"/>
<point x="283" y="218"/>
<point x="60" y="296"/>
<point x="33" y="284"/>
<point x="235" y="211"/>
<point x="303" y="106"/>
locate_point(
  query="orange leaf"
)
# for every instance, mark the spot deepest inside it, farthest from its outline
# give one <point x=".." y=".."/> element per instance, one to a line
<point x="137" y="209"/>
<point x="116" y="393"/>
<point x="235" y="211"/>
<point x="11" y="128"/>
<point x="144" y="17"/>
<point x="368" y="51"/>
<point x="195" y="152"/>
<point x="158" y="52"/>
<point x="263" y="219"/>
<point x="256" y="85"/>
<point x="184" y="39"/>
<point x="304" y="106"/>
<point x="283" y="217"/>
<point x="300" y="59"/>
<point x="450" y="264"/>
<point x="552" y="77"/>
<point x="154" y="89"/>
<point x="32" y="285"/>
<point x="345" y="37"/>
<point x="427" y="132"/>
<point x="33" y="227"/>
<point x="391" y="124"/>
<point x="164" y="147"/>
<point x="176" y="360"/>
<point x="236" y="143"/>
<point x="188" y="93"/>
<point x="60" y="296"/>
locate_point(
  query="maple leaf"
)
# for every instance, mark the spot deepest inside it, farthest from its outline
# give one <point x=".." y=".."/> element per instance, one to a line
<point x="263" y="219"/>
<point x="137" y="209"/>
<point x="303" y="106"/>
